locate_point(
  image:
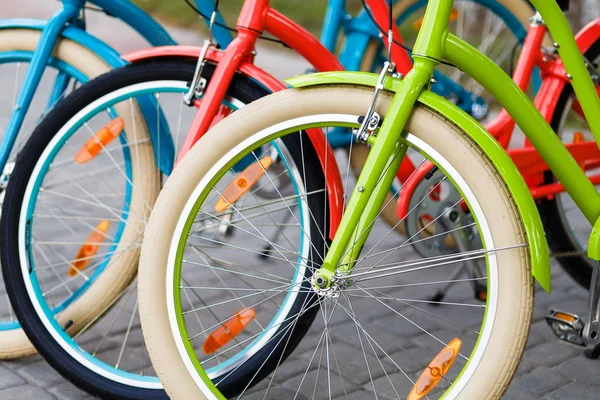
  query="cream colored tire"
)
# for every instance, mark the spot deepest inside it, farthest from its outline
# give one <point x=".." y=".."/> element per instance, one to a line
<point x="503" y="336"/>
<point x="14" y="343"/>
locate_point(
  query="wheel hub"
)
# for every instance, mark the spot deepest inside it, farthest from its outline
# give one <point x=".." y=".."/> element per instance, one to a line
<point x="431" y="199"/>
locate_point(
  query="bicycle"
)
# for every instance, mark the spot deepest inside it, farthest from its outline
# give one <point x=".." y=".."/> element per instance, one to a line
<point x="471" y="350"/>
<point x="85" y="261"/>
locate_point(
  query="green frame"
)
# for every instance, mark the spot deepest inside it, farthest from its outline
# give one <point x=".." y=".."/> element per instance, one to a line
<point x="433" y="44"/>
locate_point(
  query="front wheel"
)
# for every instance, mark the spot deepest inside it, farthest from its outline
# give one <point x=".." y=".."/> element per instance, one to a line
<point x="75" y="213"/>
<point x="376" y="327"/>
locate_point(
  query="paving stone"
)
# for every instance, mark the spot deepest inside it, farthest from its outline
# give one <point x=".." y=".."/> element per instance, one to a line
<point x="9" y="378"/>
<point x="291" y="367"/>
<point x="25" y="392"/>
<point x="580" y="369"/>
<point x="575" y="391"/>
<point x="351" y="363"/>
<point x="307" y="384"/>
<point x="67" y="391"/>
<point x="41" y="374"/>
<point x="347" y="333"/>
<point x="540" y="381"/>
<point x="517" y="394"/>
<point x="547" y="354"/>
<point x="358" y="395"/>
<point x="276" y="393"/>
<point x="540" y="333"/>
<point x="383" y="386"/>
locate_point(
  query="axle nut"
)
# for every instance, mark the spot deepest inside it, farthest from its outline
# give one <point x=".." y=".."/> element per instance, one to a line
<point x="321" y="282"/>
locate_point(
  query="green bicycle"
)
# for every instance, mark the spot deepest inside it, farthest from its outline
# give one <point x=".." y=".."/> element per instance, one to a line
<point x="354" y="304"/>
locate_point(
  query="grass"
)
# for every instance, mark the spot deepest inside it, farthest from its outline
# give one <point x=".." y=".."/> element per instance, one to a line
<point x="308" y="13"/>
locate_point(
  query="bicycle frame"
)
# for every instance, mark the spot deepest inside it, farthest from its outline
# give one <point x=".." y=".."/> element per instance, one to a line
<point x="255" y="18"/>
<point x="359" y="31"/>
<point x="528" y="161"/>
<point x="435" y="43"/>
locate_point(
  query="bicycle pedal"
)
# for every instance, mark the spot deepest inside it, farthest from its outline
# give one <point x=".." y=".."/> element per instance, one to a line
<point x="566" y="326"/>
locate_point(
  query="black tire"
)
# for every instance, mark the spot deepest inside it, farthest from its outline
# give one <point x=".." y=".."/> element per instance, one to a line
<point x="558" y="233"/>
<point x="241" y="88"/>
<point x="290" y="333"/>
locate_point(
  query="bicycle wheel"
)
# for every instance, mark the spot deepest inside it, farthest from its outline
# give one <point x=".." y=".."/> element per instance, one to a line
<point x="75" y="64"/>
<point x="567" y="230"/>
<point x="375" y="328"/>
<point x="74" y="217"/>
<point x="494" y="28"/>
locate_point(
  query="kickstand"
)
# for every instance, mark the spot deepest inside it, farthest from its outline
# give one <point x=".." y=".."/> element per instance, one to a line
<point x="593" y="353"/>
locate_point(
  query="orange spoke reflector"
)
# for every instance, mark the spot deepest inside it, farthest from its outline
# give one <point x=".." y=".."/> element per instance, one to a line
<point x="242" y="183"/>
<point x="435" y="371"/>
<point x="454" y="14"/>
<point x="89" y="248"/>
<point x="579" y="138"/>
<point x="96" y="143"/>
<point x="228" y="330"/>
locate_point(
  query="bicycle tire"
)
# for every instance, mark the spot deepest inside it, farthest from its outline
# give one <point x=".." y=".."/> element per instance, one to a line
<point x="107" y="286"/>
<point x="13" y="342"/>
<point x="181" y="373"/>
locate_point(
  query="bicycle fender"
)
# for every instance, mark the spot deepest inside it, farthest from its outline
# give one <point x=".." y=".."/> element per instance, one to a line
<point x="532" y="223"/>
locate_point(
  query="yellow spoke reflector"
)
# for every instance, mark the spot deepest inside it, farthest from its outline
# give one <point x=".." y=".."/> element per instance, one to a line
<point x="228" y="330"/>
<point x="242" y="183"/>
<point x="454" y="14"/>
<point x="97" y="142"/>
<point x="435" y="371"/>
<point x="89" y="248"/>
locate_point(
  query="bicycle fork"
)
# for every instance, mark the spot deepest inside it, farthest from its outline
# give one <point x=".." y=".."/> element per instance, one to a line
<point x="384" y="159"/>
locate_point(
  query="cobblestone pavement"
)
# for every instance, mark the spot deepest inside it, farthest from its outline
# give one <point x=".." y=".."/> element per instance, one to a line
<point x="549" y="369"/>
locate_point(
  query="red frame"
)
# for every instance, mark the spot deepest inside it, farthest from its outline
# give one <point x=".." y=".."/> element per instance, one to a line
<point x="257" y="17"/>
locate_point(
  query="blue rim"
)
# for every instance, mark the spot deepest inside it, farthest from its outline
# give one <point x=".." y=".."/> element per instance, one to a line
<point x="148" y="92"/>
<point x="29" y="213"/>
